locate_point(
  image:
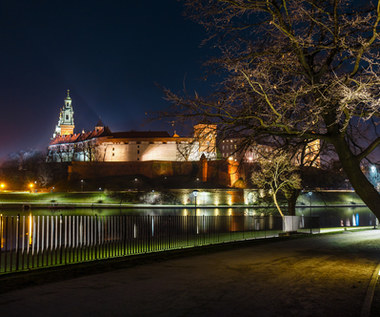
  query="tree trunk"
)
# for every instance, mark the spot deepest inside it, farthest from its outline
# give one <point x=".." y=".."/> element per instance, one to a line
<point x="292" y="199"/>
<point x="277" y="205"/>
<point x="362" y="186"/>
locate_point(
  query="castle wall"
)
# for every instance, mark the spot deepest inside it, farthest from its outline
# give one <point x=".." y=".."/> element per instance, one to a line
<point x="217" y="171"/>
<point x="144" y="151"/>
<point x="118" y="150"/>
<point x="150" y="169"/>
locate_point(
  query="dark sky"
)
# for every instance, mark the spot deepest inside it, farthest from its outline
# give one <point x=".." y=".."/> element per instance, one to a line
<point x="110" y="54"/>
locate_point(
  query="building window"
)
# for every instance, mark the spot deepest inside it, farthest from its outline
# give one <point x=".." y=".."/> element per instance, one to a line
<point x="138" y="151"/>
<point x="67" y="117"/>
<point x="113" y="154"/>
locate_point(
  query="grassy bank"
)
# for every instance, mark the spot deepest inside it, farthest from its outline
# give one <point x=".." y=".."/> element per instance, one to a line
<point x="171" y="198"/>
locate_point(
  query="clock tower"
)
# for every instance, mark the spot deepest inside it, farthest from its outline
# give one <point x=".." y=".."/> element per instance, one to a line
<point x="65" y="124"/>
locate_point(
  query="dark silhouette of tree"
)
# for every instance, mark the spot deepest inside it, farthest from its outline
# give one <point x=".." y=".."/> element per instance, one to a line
<point x="301" y="69"/>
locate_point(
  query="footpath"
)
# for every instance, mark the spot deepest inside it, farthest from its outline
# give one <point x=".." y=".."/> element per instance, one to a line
<point x="324" y="275"/>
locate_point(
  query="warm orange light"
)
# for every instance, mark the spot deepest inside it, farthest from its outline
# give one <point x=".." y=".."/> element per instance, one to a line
<point x="2" y="185"/>
<point x="31" y="185"/>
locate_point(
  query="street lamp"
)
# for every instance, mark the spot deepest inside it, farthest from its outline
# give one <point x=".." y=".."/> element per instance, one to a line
<point x="310" y="194"/>
<point x="81" y="185"/>
<point x="2" y="186"/>
<point x="195" y="193"/>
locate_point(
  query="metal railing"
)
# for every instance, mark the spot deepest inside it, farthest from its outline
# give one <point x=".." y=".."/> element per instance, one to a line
<point x="28" y="242"/>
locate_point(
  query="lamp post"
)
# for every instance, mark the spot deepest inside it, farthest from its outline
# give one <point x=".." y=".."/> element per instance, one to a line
<point x="81" y="185"/>
<point x="195" y="193"/>
<point x="310" y="194"/>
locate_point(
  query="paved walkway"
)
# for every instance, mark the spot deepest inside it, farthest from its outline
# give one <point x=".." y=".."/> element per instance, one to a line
<point x="321" y="276"/>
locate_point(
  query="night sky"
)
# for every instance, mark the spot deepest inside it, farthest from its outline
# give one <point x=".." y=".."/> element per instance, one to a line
<point x="110" y="54"/>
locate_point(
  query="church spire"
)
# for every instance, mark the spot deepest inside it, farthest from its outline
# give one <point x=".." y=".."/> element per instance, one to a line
<point x="65" y="124"/>
<point x="68" y="99"/>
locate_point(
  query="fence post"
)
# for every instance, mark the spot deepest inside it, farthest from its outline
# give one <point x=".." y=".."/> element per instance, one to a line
<point x="17" y="238"/>
<point x="60" y="239"/>
<point x="96" y="237"/>
<point x="169" y="227"/>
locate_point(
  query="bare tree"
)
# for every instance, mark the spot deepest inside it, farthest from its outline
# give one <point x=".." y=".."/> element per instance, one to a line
<point x="276" y="174"/>
<point x="185" y="151"/>
<point x="304" y="69"/>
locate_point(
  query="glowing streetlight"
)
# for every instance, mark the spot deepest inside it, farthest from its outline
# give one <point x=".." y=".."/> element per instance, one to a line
<point x="2" y="186"/>
<point x="195" y="194"/>
<point x="310" y="194"/>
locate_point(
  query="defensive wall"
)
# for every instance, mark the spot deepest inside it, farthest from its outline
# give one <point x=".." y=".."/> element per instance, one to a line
<point x="220" y="172"/>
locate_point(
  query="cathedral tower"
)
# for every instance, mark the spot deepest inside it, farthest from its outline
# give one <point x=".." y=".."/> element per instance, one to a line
<point x="65" y="124"/>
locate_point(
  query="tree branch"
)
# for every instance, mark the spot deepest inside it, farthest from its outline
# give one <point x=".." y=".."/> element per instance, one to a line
<point x="369" y="149"/>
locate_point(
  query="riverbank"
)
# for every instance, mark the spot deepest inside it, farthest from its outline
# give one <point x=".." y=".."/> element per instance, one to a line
<point x="181" y="198"/>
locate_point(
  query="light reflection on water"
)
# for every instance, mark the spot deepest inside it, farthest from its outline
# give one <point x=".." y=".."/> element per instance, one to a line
<point x="329" y="216"/>
<point x="31" y="223"/>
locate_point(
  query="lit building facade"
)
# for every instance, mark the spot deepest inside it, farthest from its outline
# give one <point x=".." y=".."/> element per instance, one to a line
<point x="231" y="148"/>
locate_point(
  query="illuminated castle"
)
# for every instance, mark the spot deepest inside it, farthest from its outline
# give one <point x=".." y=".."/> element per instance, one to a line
<point x="103" y="145"/>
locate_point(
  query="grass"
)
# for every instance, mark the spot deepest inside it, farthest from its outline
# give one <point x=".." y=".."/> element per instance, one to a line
<point x="321" y="198"/>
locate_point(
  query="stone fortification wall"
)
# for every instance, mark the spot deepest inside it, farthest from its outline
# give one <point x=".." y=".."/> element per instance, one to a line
<point x="150" y="169"/>
<point x="217" y="171"/>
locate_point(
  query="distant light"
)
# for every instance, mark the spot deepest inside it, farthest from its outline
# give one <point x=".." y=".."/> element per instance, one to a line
<point x="100" y="188"/>
<point x="31" y="185"/>
<point x="195" y="193"/>
<point x="2" y="185"/>
<point x="136" y="179"/>
<point x="373" y="169"/>
<point x="310" y="193"/>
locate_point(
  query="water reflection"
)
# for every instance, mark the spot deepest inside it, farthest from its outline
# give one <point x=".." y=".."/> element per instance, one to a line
<point x="329" y="216"/>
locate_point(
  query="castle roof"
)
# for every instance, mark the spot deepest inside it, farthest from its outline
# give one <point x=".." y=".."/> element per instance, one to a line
<point x="78" y="137"/>
<point x="106" y="132"/>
